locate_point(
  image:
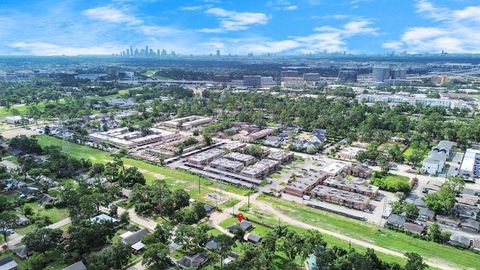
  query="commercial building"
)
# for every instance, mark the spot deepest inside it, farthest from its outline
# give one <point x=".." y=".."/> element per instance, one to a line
<point x="341" y="197"/>
<point x="281" y="156"/>
<point x="203" y="158"/>
<point x="303" y="185"/>
<point x="260" y="169"/>
<point x="334" y="168"/>
<point x="188" y="122"/>
<point x="289" y="73"/>
<point x="360" y="187"/>
<point x="122" y="137"/>
<point x="252" y="81"/>
<point x="293" y="82"/>
<point x="345" y="76"/>
<point x="471" y="164"/>
<point x="384" y="74"/>
<point x="311" y="77"/>
<point x="243" y="158"/>
<point x="227" y="165"/>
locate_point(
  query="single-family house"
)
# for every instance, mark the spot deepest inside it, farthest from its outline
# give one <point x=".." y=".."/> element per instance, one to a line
<point x="8" y="263"/>
<point x="396" y="221"/>
<point x="244" y="225"/>
<point x="194" y="261"/>
<point x="134" y="239"/>
<point x="470" y="225"/>
<point x="425" y="214"/>
<point x="459" y="240"/>
<point x="76" y="266"/>
<point x="253" y="238"/>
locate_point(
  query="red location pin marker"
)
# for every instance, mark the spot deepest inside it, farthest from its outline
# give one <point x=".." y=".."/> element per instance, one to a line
<point x="240" y="217"/>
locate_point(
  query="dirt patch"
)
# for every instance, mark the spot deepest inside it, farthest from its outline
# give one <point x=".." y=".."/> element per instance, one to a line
<point x="8" y="134"/>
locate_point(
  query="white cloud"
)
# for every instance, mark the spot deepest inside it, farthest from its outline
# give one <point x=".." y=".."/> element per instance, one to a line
<point x="111" y="14"/>
<point x="281" y="5"/>
<point x="456" y="31"/>
<point x="44" y="48"/>
<point x="234" y="21"/>
<point x="325" y="38"/>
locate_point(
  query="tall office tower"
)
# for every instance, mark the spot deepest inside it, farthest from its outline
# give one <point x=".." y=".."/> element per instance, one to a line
<point x="164" y="52"/>
<point x="131" y="50"/>
<point x="158" y="52"/>
<point x="136" y="52"/>
<point x="146" y="50"/>
<point x="252" y="80"/>
<point x="347" y="75"/>
<point x="173" y="53"/>
<point x="218" y="52"/>
<point x="380" y="73"/>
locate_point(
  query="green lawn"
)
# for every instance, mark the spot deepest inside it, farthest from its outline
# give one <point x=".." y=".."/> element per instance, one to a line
<point x="409" y="151"/>
<point x="391" y="182"/>
<point x="176" y="178"/>
<point x="379" y="236"/>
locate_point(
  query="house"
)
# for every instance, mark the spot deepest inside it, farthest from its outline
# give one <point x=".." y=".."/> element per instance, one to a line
<point x="103" y="218"/>
<point x="126" y="193"/>
<point x="231" y="256"/>
<point x="28" y="192"/>
<point x="459" y="241"/>
<point x="311" y="263"/>
<point x="425" y="214"/>
<point x="244" y="225"/>
<point x="253" y="238"/>
<point x="274" y="141"/>
<point x="134" y="239"/>
<point x="319" y="136"/>
<point x="22" y="252"/>
<point x="212" y="244"/>
<point x="471" y="225"/>
<point x="414" y="228"/>
<point x="448" y="221"/>
<point x="194" y="261"/>
<point x="209" y="209"/>
<point x="76" y="266"/>
<point x="396" y="221"/>
<point x="476" y="244"/>
<point x="8" y="263"/>
<point x="22" y="221"/>
<point x="45" y="198"/>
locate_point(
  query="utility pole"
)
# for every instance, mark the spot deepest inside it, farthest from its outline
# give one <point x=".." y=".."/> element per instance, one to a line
<point x="199" y="184"/>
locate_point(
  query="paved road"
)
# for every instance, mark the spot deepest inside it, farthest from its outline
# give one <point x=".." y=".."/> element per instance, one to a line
<point x="16" y="238"/>
<point x="147" y="223"/>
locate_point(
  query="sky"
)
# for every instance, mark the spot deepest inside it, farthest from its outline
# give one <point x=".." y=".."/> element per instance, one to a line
<point x="103" y="27"/>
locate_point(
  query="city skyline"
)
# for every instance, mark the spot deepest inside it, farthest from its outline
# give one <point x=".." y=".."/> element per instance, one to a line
<point x="239" y="28"/>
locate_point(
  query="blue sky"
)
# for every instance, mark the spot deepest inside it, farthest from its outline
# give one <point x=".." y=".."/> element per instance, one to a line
<point x="80" y="27"/>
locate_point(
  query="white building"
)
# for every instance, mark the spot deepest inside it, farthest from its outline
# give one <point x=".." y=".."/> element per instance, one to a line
<point x="435" y="163"/>
<point x="471" y="164"/>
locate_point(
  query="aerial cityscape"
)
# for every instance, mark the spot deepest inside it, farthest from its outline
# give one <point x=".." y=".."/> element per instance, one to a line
<point x="233" y="135"/>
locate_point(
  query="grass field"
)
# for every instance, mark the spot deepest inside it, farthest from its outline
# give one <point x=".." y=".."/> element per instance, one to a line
<point x="268" y="219"/>
<point x="176" y="178"/>
<point x="392" y="182"/>
<point x="397" y="241"/>
<point x="409" y="151"/>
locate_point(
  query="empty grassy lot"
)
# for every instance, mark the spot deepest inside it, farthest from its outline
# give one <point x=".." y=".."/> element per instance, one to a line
<point x="397" y="241"/>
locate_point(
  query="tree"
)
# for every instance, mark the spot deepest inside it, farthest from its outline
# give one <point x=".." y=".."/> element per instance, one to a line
<point x="414" y="262"/>
<point x="113" y="210"/>
<point x="132" y="176"/>
<point x="397" y="207"/>
<point x="411" y="211"/>
<point x="238" y="233"/>
<point x="7" y="221"/>
<point x="162" y="234"/>
<point x="225" y="244"/>
<point x="207" y="137"/>
<point x="37" y="261"/>
<point x="157" y="256"/>
<point x="125" y="218"/>
<point x="415" y="157"/>
<point x="292" y="245"/>
<point x="442" y="201"/>
<point x="434" y="233"/>
<point x="312" y="241"/>
<point x="5" y="204"/>
<point x="114" y="257"/>
<point x="43" y="239"/>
